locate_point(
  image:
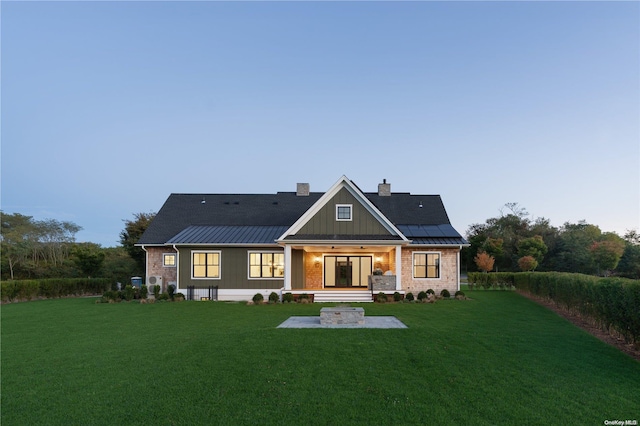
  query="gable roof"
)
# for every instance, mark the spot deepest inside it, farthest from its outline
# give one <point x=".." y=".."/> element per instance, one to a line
<point x="256" y="218"/>
<point x="343" y="183"/>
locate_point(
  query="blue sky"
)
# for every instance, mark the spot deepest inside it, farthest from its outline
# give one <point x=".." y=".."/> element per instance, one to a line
<point x="108" y="107"/>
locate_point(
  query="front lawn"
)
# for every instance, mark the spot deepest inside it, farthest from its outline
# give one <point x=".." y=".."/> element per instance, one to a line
<point x="496" y="359"/>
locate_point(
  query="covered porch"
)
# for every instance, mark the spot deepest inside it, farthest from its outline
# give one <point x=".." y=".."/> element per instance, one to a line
<point x="343" y="272"/>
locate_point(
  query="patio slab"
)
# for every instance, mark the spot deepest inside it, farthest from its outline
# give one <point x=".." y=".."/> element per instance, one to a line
<point x="369" y="322"/>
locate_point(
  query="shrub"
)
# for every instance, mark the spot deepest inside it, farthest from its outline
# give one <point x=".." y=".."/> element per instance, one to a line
<point x="129" y="292"/>
<point x="111" y="295"/>
<point x="397" y="297"/>
<point x="610" y="302"/>
<point x="144" y="292"/>
<point x="460" y="295"/>
<point x="273" y="297"/>
<point x="381" y="297"/>
<point x="171" y="289"/>
<point x="445" y="293"/>
<point x="258" y="298"/>
<point x="156" y="291"/>
<point x="52" y="287"/>
<point x="422" y="295"/>
<point x="409" y="297"/>
<point x="178" y="297"/>
<point x="430" y="291"/>
<point x="163" y="296"/>
<point x="303" y="298"/>
<point x="287" y="298"/>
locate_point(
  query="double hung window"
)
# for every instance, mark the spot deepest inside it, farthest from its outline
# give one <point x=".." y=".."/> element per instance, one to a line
<point x="205" y="264"/>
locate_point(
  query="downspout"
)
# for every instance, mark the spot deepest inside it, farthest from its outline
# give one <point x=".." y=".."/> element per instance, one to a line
<point x="458" y="266"/>
<point x="178" y="267"/>
<point x="146" y="264"/>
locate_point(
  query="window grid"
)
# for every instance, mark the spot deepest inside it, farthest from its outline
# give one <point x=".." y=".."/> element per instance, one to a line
<point x="205" y="265"/>
<point x="426" y="265"/>
<point x="169" y="259"/>
<point x="266" y="265"/>
<point x="344" y="212"/>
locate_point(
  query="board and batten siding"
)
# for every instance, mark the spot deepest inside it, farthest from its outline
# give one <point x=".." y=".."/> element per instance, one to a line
<point x="234" y="269"/>
<point x="324" y="222"/>
<point x="297" y="269"/>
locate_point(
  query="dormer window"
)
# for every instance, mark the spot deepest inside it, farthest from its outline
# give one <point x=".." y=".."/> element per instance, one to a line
<point x="344" y="212"/>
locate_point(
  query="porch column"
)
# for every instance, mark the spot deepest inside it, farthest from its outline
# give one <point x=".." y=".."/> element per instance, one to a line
<point x="287" y="267"/>
<point x="398" y="268"/>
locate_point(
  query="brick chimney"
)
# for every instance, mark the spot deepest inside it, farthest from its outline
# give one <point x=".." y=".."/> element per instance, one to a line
<point x="384" y="189"/>
<point x="302" y="189"/>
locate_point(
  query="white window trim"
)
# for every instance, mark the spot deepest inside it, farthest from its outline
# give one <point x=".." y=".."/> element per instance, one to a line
<point x="350" y="212"/>
<point x="413" y="265"/>
<point x="175" y="260"/>
<point x="249" y="253"/>
<point x="219" y="264"/>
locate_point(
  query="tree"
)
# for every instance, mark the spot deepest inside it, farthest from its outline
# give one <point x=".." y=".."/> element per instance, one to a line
<point x="18" y="238"/>
<point x="484" y="261"/>
<point x="118" y="265"/>
<point x="494" y="246"/>
<point x="607" y="254"/>
<point x="572" y="253"/>
<point x="534" y="247"/>
<point x="629" y="265"/>
<point x="499" y="236"/>
<point x="131" y="234"/>
<point x="527" y="263"/>
<point x="89" y="258"/>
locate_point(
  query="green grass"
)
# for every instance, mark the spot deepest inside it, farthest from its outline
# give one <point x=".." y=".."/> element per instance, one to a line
<point x="496" y="359"/>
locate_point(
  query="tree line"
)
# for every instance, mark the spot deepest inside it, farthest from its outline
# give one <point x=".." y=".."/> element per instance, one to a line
<point x="40" y="249"/>
<point x="513" y="241"/>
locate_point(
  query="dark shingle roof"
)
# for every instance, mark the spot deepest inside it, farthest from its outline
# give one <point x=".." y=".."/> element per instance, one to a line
<point x="184" y="218"/>
<point x="183" y="210"/>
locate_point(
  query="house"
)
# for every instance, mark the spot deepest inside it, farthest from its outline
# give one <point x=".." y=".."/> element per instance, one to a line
<point x="333" y="245"/>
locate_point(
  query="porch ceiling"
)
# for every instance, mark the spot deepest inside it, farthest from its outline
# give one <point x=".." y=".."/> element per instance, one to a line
<point x="352" y="249"/>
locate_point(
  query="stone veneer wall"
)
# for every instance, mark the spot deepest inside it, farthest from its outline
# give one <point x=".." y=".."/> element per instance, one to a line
<point x="448" y="271"/>
<point x="312" y="271"/>
<point x="155" y="267"/>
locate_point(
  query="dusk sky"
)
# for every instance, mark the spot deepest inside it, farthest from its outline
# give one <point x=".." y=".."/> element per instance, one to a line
<point x="108" y="107"/>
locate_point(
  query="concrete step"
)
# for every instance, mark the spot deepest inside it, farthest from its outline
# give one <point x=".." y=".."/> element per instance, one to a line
<point x="343" y="296"/>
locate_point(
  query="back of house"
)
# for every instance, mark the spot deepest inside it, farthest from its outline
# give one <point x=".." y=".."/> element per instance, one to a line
<point x="339" y="245"/>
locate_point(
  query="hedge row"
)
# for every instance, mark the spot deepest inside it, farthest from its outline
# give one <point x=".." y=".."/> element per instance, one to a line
<point x="502" y="280"/>
<point x="613" y="303"/>
<point x="50" y="288"/>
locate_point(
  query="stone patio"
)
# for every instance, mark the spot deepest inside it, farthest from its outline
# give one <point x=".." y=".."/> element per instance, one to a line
<point x="369" y="322"/>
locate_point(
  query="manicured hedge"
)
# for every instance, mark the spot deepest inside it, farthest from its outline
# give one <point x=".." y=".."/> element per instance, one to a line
<point x="502" y="280"/>
<point x="610" y="302"/>
<point x="16" y="290"/>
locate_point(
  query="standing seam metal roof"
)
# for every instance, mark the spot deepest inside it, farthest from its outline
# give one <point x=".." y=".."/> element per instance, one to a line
<point x="228" y="235"/>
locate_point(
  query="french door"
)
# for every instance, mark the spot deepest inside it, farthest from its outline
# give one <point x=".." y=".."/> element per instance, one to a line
<point x="347" y="271"/>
